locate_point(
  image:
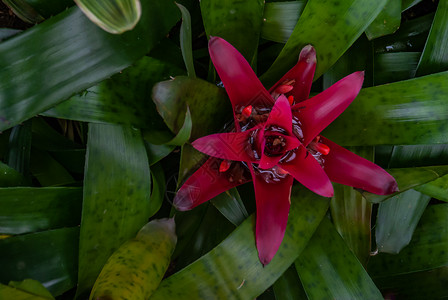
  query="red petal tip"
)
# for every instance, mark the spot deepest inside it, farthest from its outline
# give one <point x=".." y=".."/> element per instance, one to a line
<point x="308" y="53"/>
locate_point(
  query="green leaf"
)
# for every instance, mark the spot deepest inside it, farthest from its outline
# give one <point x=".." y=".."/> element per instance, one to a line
<point x="157" y="152"/>
<point x="135" y="270"/>
<point x="435" y="189"/>
<point x="49" y="257"/>
<point x="289" y="287"/>
<point x="48" y="171"/>
<point x="406" y="112"/>
<point x="114" y="16"/>
<point x="10" y="177"/>
<point x="33" y="79"/>
<point x="397" y="219"/>
<point x="184" y="132"/>
<point x="26" y="209"/>
<point x="32" y="286"/>
<point x="401" y="156"/>
<point x="231" y="206"/>
<point x="405" y="4"/>
<point x="395" y="66"/>
<point x="232" y="270"/>
<point x="329" y="270"/>
<point x="420" y="270"/>
<point x="280" y="18"/>
<point x="346" y="21"/>
<point x="238" y="22"/>
<point x="185" y="40"/>
<point x="20" y="148"/>
<point x="24" y="11"/>
<point x="114" y="153"/>
<point x="112" y="101"/>
<point x="209" y="105"/>
<point x="48" y="8"/>
<point x="158" y="189"/>
<point x="435" y="55"/>
<point x="351" y="214"/>
<point x="408" y="178"/>
<point x="387" y="21"/>
<point x="7" y="292"/>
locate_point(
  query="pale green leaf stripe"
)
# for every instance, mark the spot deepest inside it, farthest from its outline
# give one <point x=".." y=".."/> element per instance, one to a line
<point x="435" y="54"/>
<point x="345" y="21"/>
<point x="116" y="196"/>
<point x="66" y="54"/>
<point x="329" y="270"/>
<point x="232" y="270"/>
<point x="397" y="219"/>
<point x="114" y="16"/>
<point x="280" y="18"/>
<point x="408" y="178"/>
<point x="437" y="189"/>
<point x="402" y="113"/>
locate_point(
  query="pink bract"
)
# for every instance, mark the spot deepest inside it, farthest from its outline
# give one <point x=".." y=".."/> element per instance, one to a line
<point x="276" y="140"/>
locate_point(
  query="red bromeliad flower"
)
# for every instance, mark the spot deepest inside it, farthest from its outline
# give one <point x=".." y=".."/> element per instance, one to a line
<point x="276" y="139"/>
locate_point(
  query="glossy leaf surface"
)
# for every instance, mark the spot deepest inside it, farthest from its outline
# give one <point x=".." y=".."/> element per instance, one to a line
<point x="280" y="18"/>
<point x="208" y="104"/>
<point x="406" y="112"/>
<point x="60" y="44"/>
<point x="231" y="206"/>
<point x="347" y="20"/>
<point x="233" y="270"/>
<point x="185" y="40"/>
<point x="436" y="189"/>
<point x="49" y="257"/>
<point x="387" y="21"/>
<point x="435" y="55"/>
<point x="27" y="209"/>
<point x="329" y="270"/>
<point x="397" y="218"/>
<point x="120" y="206"/>
<point x="238" y="22"/>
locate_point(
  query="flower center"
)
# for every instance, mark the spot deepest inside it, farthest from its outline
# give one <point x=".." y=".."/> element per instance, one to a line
<point x="274" y="145"/>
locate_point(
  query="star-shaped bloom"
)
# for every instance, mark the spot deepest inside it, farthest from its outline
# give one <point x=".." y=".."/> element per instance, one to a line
<point x="276" y="140"/>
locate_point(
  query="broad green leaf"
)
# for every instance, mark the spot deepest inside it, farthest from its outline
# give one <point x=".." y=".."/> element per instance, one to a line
<point x="346" y="21"/>
<point x="116" y="196"/>
<point x="411" y="37"/>
<point x="184" y="132"/>
<point x="48" y="256"/>
<point x="387" y="21"/>
<point x="135" y="270"/>
<point x="232" y="270"/>
<point x="10" y="177"/>
<point x="397" y="218"/>
<point x="280" y="18"/>
<point x="329" y="270"/>
<point x="185" y="40"/>
<point x="289" y="287"/>
<point x="238" y="22"/>
<point x="114" y="16"/>
<point x="395" y="66"/>
<point x="158" y="189"/>
<point x="211" y="230"/>
<point x="231" y="206"/>
<point x="351" y="214"/>
<point x="47" y="8"/>
<point x="122" y="99"/>
<point x="420" y="270"/>
<point x="31" y="286"/>
<point x="401" y="156"/>
<point x="408" y="178"/>
<point x="49" y="62"/>
<point x="7" y="292"/>
<point x="7" y="33"/>
<point x="24" y="11"/>
<point x="48" y="171"/>
<point x="435" y="55"/>
<point x="406" y="112"/>
<point x="20" y="148"/>
<point x="27" y="209"/>
<point x="209" y="105"/>
<point x="436" y="189"/>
